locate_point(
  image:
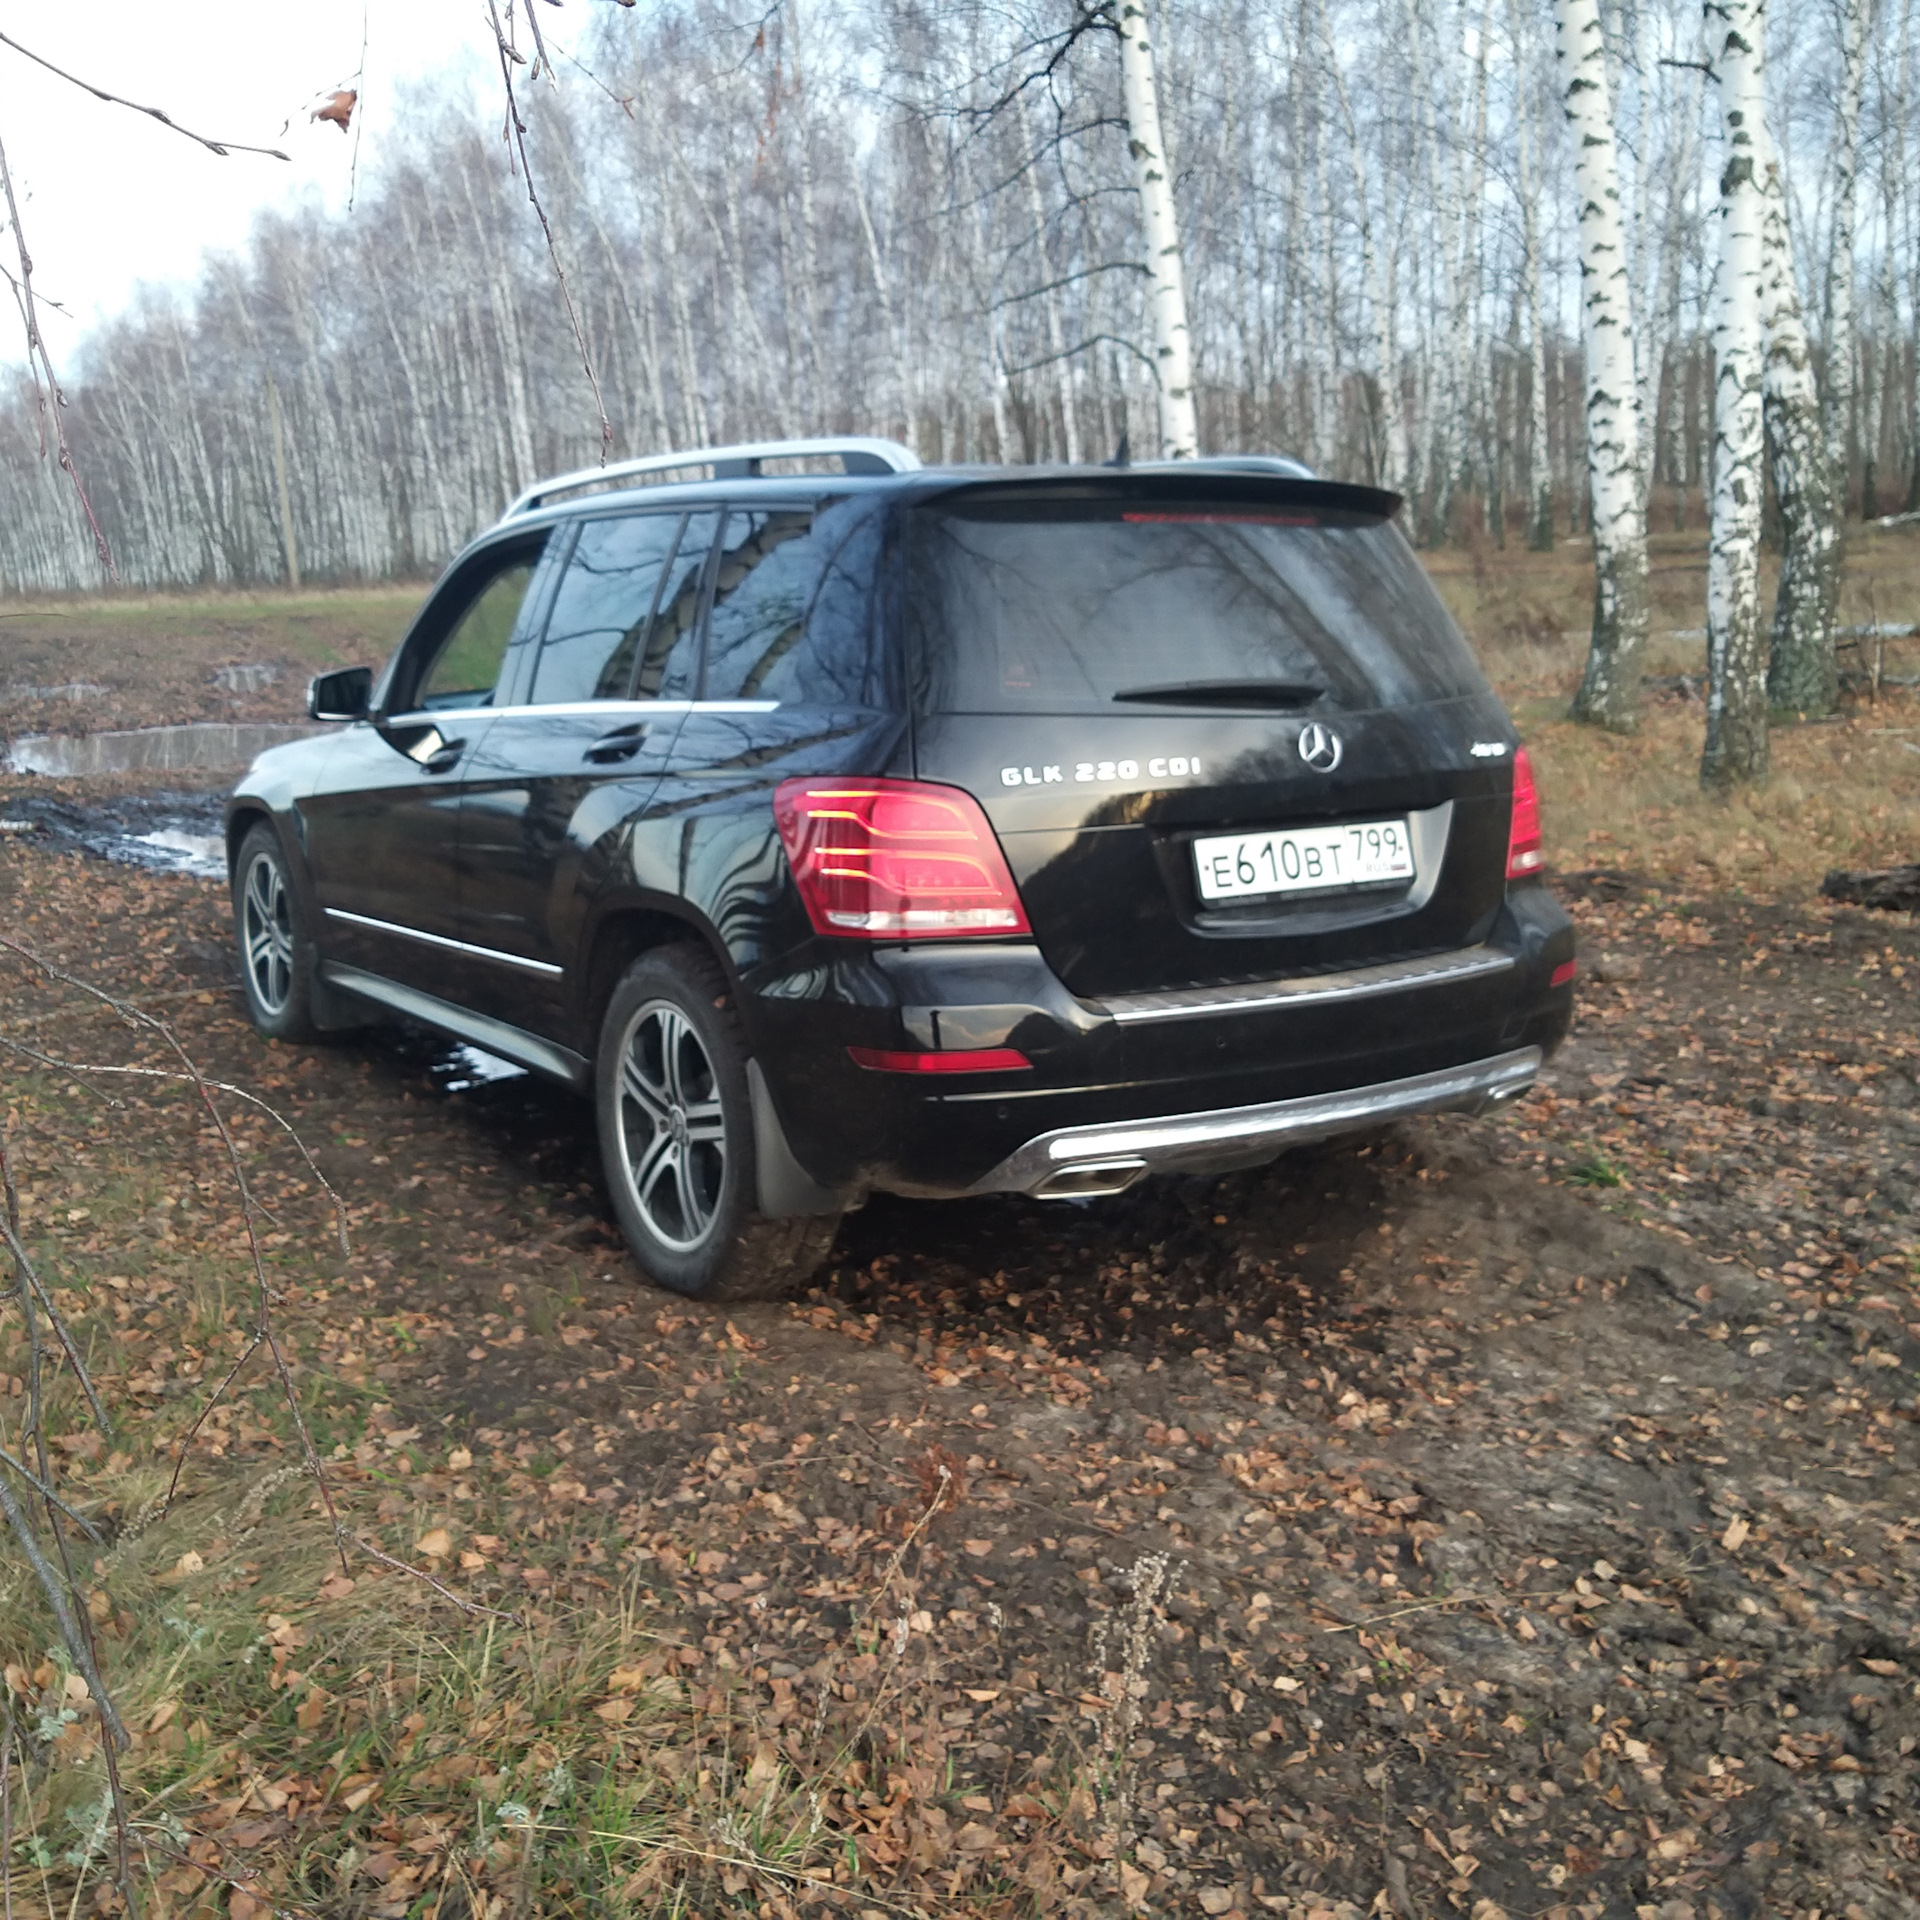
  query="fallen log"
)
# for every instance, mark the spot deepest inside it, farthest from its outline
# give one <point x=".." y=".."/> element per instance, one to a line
<point x="1896" y="889"/>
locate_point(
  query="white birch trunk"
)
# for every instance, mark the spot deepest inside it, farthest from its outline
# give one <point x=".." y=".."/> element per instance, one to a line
<point x="1167" y="298"/>
<point x="1609" y="693"/>
<point x="1840" y="265"/>
<point x="1736" y="746"/>
<point x="1391" y="470"/>
<point x="1803" y="670"/>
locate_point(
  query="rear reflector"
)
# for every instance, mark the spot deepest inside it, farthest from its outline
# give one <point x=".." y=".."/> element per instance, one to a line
<point x="1564" y="972"/>
<point x="1524" y="858"/>
<point x="981" y="1060"/>
<point x="896" y="860"/>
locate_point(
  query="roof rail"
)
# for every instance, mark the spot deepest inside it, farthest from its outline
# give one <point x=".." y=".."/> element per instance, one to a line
<point x="1274" y="463"/>
<point x="857" y="455"/>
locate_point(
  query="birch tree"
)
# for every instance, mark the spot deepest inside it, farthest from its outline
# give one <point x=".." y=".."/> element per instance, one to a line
<point x="1167" y="297"/>
<point x="1736" y="745"/>
<point x="1803" y="670"/>
<point x="1609" y="693"/>
<point x="1852" y="20"/>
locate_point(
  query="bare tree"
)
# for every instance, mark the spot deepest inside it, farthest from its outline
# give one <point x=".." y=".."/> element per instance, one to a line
<point x="1803" y="671"/>
<point x="1736" y="744"/>
<point x="1172" y="341"/>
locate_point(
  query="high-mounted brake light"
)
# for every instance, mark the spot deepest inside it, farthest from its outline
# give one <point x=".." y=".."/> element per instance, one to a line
<point x="895" y="860"/>
<point x="1524" y="857"/>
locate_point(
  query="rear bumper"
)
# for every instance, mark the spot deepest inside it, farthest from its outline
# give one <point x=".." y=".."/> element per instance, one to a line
<point x="1072" y="1162"/>
<point x="1194" y="1080"/>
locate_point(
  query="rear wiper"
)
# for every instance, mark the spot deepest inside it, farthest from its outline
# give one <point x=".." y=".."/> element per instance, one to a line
<point x="1226" y="693"/>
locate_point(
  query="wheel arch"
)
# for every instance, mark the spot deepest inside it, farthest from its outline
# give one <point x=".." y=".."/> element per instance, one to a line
<point x="618" y="937"/>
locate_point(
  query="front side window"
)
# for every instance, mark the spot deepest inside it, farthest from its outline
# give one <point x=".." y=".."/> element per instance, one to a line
<point x="465" y="666"/>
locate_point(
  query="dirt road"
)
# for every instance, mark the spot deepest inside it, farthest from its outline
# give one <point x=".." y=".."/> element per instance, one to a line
<point x="1498" y="1517"/>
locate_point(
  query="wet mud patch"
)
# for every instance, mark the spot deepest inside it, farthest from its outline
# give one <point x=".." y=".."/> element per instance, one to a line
<point x="169" y="830"/>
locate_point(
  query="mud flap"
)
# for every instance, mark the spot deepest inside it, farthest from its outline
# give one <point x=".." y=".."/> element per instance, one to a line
<point x="786" y="1189"/>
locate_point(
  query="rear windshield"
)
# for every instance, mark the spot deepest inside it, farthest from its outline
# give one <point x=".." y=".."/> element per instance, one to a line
<point x="1023" y="607"/>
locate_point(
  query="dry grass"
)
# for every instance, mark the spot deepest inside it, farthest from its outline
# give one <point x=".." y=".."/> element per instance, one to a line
<point x="1844" y="792"/>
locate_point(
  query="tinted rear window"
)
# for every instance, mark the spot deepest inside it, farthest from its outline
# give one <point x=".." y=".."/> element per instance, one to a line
<point x="1019" y="607"/>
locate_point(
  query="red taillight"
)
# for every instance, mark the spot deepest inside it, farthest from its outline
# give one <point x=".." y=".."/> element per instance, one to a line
<point x="980" y="1060"/>
<point x="1524" y="858"/>
<point x="895" y="860"/>
<point x="1563" y="973"/>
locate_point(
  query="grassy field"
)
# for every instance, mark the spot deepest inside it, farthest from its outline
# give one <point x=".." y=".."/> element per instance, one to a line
<point x="1844" y="793"/>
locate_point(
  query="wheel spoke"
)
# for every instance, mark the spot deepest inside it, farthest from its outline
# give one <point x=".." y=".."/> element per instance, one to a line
<point x="706" y="1121"/>
<point x="693" y="1214"/>
<point x="674" y="1033"/>
<point x="661" y="1158"/>
<point x="651" y="1100"/>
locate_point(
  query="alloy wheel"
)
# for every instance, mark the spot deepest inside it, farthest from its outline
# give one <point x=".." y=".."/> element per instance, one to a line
<point x="672" y="1131"/>
<point x="266" y="933"/>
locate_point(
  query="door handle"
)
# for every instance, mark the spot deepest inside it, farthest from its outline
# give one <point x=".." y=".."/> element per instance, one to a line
<point x="621" y="744"/>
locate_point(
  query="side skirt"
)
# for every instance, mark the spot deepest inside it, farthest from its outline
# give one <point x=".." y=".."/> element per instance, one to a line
<point x="511" y="1043"/>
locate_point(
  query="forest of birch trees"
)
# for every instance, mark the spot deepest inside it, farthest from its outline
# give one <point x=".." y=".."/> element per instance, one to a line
<point x="920" y="221"/>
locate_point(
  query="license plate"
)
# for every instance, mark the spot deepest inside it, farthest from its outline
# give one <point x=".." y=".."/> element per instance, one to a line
<point x="1362" y="853"/>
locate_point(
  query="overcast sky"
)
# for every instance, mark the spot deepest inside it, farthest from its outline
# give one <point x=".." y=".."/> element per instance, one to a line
<point x="111" y="199"/>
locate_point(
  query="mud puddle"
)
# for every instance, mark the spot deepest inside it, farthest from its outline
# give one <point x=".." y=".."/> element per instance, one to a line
<point x="164" y="832"/>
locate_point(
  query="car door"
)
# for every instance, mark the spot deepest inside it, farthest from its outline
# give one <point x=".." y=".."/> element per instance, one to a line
<point x="559" y="774"/>
<point x="382" y="840"/>
<point x="791" y="684"/>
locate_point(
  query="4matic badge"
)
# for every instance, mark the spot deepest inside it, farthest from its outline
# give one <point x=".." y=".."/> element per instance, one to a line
<point x="1172" y="766"/>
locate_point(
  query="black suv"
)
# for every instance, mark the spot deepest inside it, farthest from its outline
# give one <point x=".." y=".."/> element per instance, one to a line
<point x="940" y="831"/>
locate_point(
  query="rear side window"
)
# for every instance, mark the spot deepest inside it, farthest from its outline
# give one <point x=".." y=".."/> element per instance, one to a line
<point x="605" y="638"/>
<point x="793" y="605"/>
<point x="1025" y="607"/>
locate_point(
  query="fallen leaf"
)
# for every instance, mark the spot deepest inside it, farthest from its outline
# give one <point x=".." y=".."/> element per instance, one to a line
<point x="435" y="1544"/>
<point x="1134" y="1886"/>
<point x="1735" y="1536"/>
<point x="981" y="1693"/>
<point x="978" y="1548"/>
<point x="459" y="1460"/>
<point x="338" y="108"/>
<point x="613" y="1711"/>
<point x="336" y="1587"/>
<point x="162" y="1714"/>
<point x="1886" y="1668"/>
<point x="359" y="1797"/>
<point x="1215" y="1899"/>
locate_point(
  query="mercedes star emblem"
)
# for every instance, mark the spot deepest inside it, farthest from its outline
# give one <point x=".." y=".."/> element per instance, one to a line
<point x="1319" y="747"/>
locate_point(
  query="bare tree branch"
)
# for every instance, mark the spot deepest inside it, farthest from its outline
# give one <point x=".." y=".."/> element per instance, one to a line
<point x="222" y="147"/>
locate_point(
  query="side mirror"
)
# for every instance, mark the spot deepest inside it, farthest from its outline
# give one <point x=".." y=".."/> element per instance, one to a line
<point x="340" y="696"/>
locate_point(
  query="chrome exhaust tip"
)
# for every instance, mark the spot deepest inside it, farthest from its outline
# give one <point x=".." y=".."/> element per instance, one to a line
<point x="1090" y="1180"/>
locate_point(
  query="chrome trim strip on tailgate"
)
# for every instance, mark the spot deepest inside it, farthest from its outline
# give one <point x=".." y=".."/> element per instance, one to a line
<point x="1112" y="1157"/>
<point x="441" y="940"/>
<point x="1359" y="983"/>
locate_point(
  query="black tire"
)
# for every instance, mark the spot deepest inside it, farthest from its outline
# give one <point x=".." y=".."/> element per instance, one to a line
<point x="676" y="1138"/>
<point x="272" y="939"/>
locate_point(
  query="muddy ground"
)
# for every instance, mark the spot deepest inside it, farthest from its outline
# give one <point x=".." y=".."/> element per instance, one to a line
<point x="1506" y="1516"/>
